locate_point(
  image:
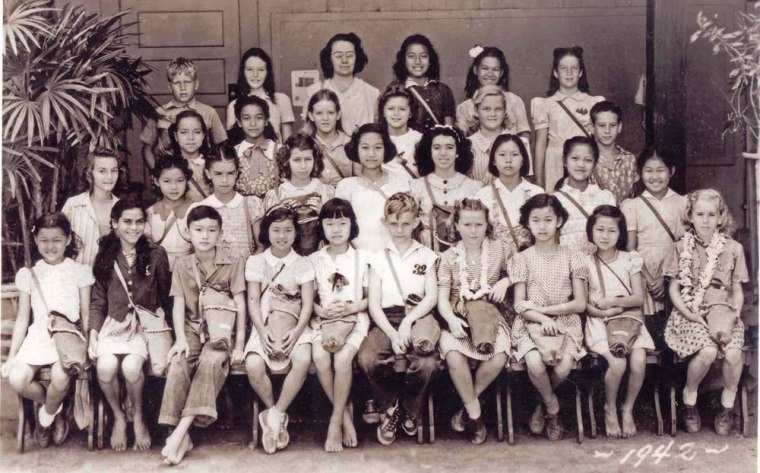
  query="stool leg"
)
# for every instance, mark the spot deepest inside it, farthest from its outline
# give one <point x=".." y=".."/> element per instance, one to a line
<point x="745" y="411"/>
<point x="431" y="418"/>
<point x="101" y="421"/>
<point x="673" y="416"/>
<point x="21" y="432"/>
<point x="255" y="424"/>
<point x="421" y="423"/>
<point x="592" y="412"/>
<point x="510" y="423"/>
<point x="658" y="409"/>
<point x="579" y="414"/>
<point x="499" y="414"/>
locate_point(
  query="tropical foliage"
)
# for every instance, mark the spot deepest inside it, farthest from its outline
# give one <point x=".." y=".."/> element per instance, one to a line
<point x="743" y="49"/>
<point x="69" y="86"/>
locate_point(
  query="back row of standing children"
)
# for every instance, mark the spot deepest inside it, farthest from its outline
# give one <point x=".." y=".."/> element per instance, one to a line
<point x="229" y="203"/>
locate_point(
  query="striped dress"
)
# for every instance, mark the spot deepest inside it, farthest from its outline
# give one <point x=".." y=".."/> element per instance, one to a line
<point x="448" y="276"/>
<point x="84" y="223"/>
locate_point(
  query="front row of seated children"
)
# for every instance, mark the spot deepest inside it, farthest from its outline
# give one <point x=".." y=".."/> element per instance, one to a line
<point x="318" y="309"/>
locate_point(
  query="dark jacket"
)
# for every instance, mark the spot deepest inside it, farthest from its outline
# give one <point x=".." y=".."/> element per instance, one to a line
<point x="149" y="290"/>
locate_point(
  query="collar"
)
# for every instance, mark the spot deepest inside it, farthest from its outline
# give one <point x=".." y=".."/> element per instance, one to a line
<point x="412" y="249"/>
<point x="308" y="188"/>
<point x="480" y="142"/>
<point x="171" y="104"/>
<point x="214" y="201"/>
<point x="222" y="256"/>
<point x="272" y="260"/>
<point x="322" y="253"/>
<point x="522" y="186"/>
<point x="572" y="190"/>
<point x="648" y="195"/>
<point x="266" y="149"/>
<point x="578" y="96"/>
<point x="614" y="161"/>
<point x="451" y="183"/>
<point x="342" y="140"/>
<point x="199" y="161"/>
<point x="411" y="83"/>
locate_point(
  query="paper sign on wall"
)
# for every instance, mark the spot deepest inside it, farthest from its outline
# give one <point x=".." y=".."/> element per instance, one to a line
<point x="300" y="81"/>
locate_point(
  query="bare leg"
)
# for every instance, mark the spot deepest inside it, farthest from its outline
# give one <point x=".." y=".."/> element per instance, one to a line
<point x="459" y="370"/>
<point x="638" y="366"/>
<point x="612" y="377"/>
<point x="342" y="389"/>
<point x="540" y="379"/>
<point x="108" y="367"/>
<point x="732" y="372"/>
<point x="698" y="368"/>
<point x="256" y="368"/>
<point x="58" y="388"/>
<point x="132" y="367"/>
<point x="300" y="362"/>
<point x="488" y="371"/>
<point x="21" y="379"/>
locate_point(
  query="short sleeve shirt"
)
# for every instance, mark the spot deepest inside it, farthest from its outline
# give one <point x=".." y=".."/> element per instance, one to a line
<point x="60" y="285"/>
<point x="336" y="278"/>
<point x="411" y="269"/>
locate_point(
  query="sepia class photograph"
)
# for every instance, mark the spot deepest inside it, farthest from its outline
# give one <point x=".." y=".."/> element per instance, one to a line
<point x="380" y="235"/>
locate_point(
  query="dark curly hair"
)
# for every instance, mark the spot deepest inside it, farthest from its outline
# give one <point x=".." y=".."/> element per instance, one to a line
<point x="471" y="83"/>
<point x="337" y="208"/>
<point x="166" y="163"/>
<point x="278" y="214"/>
<point x="540" y="201"/>
<point x="505" y="138"/>
<point x="399" y="67"/>
<point x="424" y="155"/>
<point x="56" y="220"/>
<point x="236" y="134"/>
<point x="326" y="53"/>
<point x="559" y="54"/>
<point x="243" y="89"/>
<point x="352" y="148"/>
<point x="110" y="245"/>
<point x="303" y="142"/>
<point x="397" y="90"/>
<point x="612" y="212"/>
<point x="174" y="142"/>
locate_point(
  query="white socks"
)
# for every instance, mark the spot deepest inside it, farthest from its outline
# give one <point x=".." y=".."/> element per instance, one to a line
<point x="473" y="409"/>
<point x="727" y="398"/>
<point x="46" y="420"/>
<point x="274" y="418"/>
<point x="689" y="397"/>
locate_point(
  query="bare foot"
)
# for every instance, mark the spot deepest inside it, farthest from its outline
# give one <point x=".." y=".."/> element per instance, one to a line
<point x="349" y="431"/>
<point x="173" y="442"/>
<point x="333" y="442"/>
<point x="629" y="426"/>
<point x="142" y="435"/>
<point x="611" y="425"/>
<point x="119" y="434"/>
<point x="185" y="446"/>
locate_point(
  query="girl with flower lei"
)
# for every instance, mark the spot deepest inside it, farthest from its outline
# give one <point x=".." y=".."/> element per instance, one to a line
<point x="474" y="268"/>
<point x="706" y="256"/>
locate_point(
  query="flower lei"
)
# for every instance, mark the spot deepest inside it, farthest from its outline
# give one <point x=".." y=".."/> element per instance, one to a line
<point x="694" y="296"/>
<point x="465" y="288"/>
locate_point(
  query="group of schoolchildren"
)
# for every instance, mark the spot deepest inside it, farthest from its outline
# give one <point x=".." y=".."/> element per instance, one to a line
<point x="380" y="233"/>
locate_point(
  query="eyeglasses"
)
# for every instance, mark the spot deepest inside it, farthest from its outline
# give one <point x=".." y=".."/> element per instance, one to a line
<point x="341" y="56"/>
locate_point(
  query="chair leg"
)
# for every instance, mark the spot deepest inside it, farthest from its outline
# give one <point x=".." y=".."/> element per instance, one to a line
<point x="421" y="422"/>
<point x="579" y="414"/>
<point x="101" y="421"/>
<point x="499" y="413"/>
<point x="510" y="423"/>
<point x="592" y="412"/>
<point x="745" y="411"/>
<point x="21" y="432"/>
<point x="658" y="409"/>
<point x="673" y="415"/>
<point x="431" y="418"/>
<point x="255" y="424"/>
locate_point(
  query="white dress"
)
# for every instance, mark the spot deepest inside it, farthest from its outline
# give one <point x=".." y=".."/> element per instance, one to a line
<point x="406" y="146"/>
<point x="60" y="285"/>
<point x="369" y="206"/>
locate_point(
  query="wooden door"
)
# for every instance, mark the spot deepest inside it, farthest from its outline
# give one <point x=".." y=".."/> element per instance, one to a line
<point x="206" y="32"/>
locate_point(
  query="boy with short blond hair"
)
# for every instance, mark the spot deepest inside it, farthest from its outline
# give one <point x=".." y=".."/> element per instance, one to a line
<point x="182" y="75"/>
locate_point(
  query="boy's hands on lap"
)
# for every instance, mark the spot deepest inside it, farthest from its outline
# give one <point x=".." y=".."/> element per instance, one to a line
<point x="397" y="343"/>
<point x="179" y="347"/>
<point x="657" y="288"/>
<point x="405" y="333"/>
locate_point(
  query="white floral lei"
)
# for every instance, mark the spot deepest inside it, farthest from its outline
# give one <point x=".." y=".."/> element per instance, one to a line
<point x="465" y="289"/>
<point x="693" y="297"/>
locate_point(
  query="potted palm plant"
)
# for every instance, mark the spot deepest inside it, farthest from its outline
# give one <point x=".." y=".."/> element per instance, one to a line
<point x="69" y="86"/>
